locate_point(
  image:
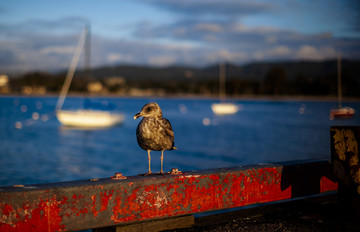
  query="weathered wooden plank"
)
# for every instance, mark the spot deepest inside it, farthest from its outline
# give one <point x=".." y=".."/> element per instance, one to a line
<point x="107" y="202"/>
<point x="345" y="141"/>
<point x="345" y="158"/>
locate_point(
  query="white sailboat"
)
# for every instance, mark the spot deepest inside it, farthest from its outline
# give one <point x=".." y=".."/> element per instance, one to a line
<point x="223" y="108"/>
<point x="83" y="117"/>
<point x="341" y="111"/>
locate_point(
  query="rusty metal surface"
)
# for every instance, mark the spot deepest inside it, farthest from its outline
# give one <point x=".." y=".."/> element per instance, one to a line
<point x="106" y="202"/>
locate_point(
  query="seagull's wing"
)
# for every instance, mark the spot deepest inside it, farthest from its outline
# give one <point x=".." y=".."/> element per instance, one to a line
<point x="169" y="132"/>
<point x="168" y="128"/>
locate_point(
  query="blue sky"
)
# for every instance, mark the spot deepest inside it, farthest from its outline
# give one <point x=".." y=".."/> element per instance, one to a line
<point x="42" y="35"/>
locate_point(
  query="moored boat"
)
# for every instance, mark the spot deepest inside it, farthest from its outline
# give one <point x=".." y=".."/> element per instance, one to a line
<point x="343" y="112"/>
<point x="89" y="118"/>
<point x="83" y="117"/>
<point x="223" y="108"/>
<point x="340" y="111"/>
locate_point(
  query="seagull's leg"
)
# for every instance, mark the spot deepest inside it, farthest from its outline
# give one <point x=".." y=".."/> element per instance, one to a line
<point x="149" y="158"/>
<point x="162" y="158"/>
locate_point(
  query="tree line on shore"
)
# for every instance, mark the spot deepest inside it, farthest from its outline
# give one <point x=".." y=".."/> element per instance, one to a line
<point x="286" y="78"/>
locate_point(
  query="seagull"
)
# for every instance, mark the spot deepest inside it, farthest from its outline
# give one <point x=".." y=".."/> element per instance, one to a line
<point x="154" y="133"/>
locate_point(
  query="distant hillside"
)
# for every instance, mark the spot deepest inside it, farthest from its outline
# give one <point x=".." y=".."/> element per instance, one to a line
<point x="278" y="78"/>
<point x="148" y="73"/>
<point x="253" y="71"/>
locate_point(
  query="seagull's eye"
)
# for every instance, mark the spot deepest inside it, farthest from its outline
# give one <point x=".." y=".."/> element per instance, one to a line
<point x="148" y="109"/>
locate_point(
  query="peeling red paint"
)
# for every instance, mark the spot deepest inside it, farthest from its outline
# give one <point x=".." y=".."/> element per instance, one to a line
<point x="7" y="209"/>
<point x="105" y="198"/>
<point x="27" y="217"/>
<point x="108" y="202"/>
<point x="95" y="212"/>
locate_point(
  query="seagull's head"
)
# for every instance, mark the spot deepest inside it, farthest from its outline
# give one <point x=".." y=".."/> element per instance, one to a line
<point x="149" y="110"/>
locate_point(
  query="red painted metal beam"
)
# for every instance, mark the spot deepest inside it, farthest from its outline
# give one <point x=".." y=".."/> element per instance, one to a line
<point x="107" y="202"/>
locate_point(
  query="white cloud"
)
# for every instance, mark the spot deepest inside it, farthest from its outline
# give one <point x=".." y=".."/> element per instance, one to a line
<point x="226" y="55"/>
<point x="241" y="28"/>
<point x="273" y="53"/>
<point x="210" y="27"/>
<point x="163" y="60"/>
<point x="112" y="57"/>
<point x="311" y="52"/>
<point x="258" y="55"/>
<point x="179" y="46"/>
<point x="117" y="57"/>
<point x="307" y="51"/>
<point x="279" y="51"/>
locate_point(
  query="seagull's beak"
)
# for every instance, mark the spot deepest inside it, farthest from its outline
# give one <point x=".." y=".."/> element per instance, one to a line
<point x="137" y="115"/>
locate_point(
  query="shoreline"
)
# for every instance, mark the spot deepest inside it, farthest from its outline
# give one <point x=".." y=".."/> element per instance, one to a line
<point x="194" y="96"/>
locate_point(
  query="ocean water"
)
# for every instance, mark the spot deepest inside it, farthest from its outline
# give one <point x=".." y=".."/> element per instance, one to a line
<point x="36" y="148"/>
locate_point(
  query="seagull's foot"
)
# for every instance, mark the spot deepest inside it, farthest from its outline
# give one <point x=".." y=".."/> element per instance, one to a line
<point x="161" y="173"/>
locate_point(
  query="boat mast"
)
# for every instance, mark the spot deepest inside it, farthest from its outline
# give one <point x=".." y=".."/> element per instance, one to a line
<point x="71" y="71"/>
<point x="339" y="81"/>
<point x="222" y="81"/>
<point x="87" y="52"/>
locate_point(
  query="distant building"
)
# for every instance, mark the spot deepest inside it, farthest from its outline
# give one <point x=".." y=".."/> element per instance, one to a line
<point x="4" y="84"/>
<point x="140" y="92"/>
<point x="95" y="87"/>
<point x="29" y="90"/>
<point x="115" y="84"/>
<point x="4" y="80"/>
<point x="115" y="81"/>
